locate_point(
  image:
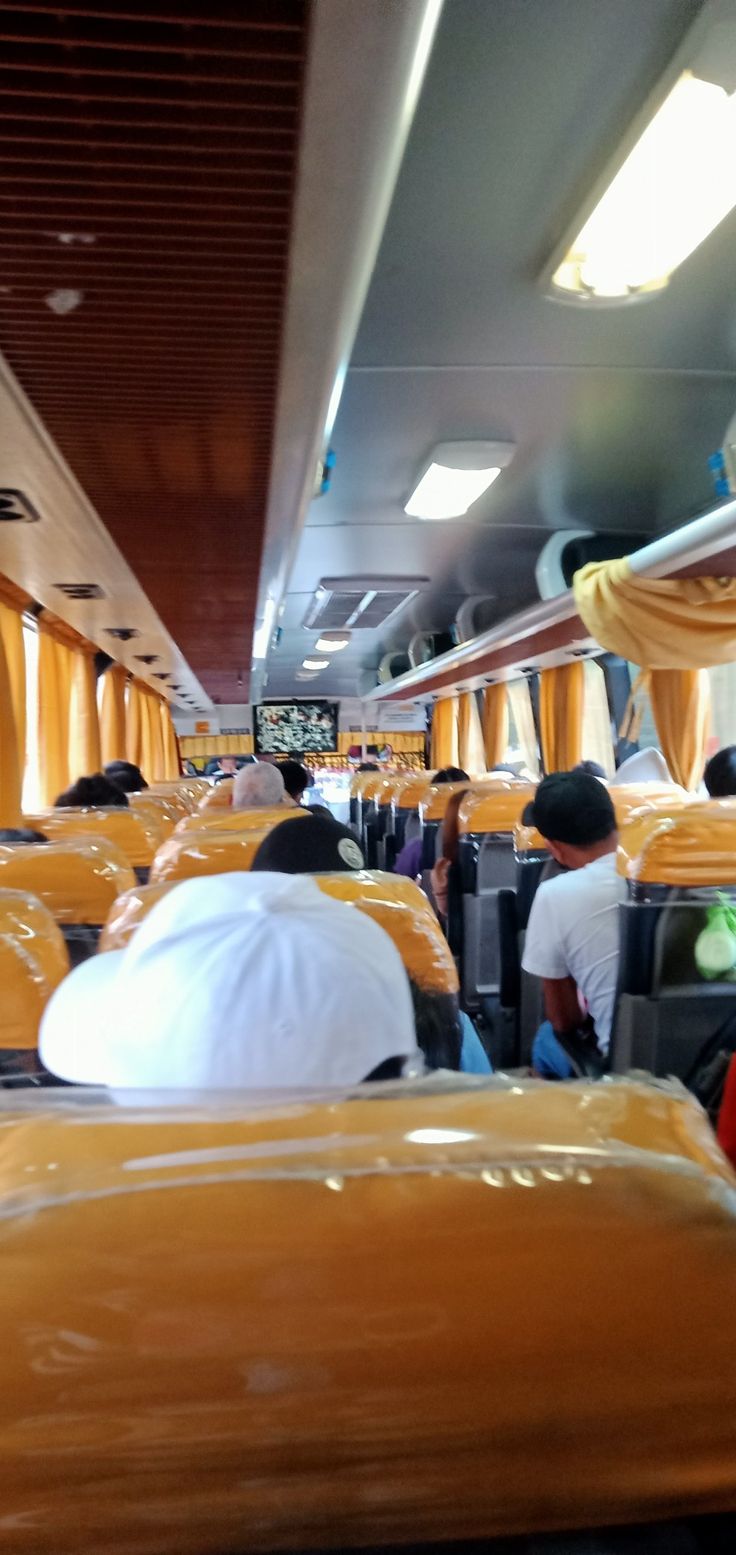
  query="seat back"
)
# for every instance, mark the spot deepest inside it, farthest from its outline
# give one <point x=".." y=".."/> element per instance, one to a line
<point x="486" y="865"/>
<point x="263" y="819"/>
<point x="218" y="796"/>
<point x="158" y="809"/>
<point x="405" y="806"/>
<point x="33" y="961"/>
<point x="214" y="1358"/>
<point x="77" y="881"/>
<point x="677" y="862"/>
<point x="205" y="853"/>
<point x="129" y="911"/>
<point x="184" y="792"/>
<point x="136" y="835"/>
<point x="400" y="908"/>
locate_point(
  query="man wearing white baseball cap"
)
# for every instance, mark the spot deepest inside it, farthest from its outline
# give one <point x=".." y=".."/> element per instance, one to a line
<point x="236" y="981"/>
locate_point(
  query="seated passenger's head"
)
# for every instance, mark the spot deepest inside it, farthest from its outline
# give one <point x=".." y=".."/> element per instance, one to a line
<point x="451" y="775"/>
<point x="20" y="836"/>
<point x="229" y="765"/>
<point x="95" y="792"/>
<point x="720" y="773"/>
<point x="368" y="766"/>
<point x="575" y="815"/>
<point x="321" y="847"/>
<point x="126" y="775"/>
<point x="258" y="787"/>
<point x="252" y="981"/>
<point x="296" y="779"/>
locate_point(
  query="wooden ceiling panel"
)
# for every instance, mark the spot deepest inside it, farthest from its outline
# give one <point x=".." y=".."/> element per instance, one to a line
<point x="147" y="162"/>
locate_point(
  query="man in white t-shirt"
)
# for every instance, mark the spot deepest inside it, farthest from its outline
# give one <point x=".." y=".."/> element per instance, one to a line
<point x="572" y="941"/>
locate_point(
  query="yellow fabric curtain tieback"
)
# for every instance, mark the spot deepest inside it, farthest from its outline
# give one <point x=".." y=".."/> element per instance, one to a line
<point x="660" y="623"/>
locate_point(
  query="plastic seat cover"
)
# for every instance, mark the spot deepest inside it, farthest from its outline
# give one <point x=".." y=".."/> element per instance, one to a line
<point x="136" y="835"/>
<point x="77" y="880"/>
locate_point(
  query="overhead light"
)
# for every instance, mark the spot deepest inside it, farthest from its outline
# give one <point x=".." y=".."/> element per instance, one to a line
<point x="63" y="300"/>
<point x="457" y="476"/>
<point x="306" y="675"/>
<point x="332" y="642"/>
<point x="315" y="664"/>
<point x="674" y="188"/>
<point x="76" y="239"/>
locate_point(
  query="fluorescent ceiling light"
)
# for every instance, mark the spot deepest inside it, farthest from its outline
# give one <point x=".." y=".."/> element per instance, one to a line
<point x="457" y="476"/>
<point x="306" y="675"/>
<point x="332" y="642"/>
<point x="315" y="664"/>
<point x="674" y="188"/>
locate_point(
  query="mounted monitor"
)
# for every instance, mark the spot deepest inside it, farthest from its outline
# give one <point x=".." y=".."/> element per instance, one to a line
<point x="282" y="727"/>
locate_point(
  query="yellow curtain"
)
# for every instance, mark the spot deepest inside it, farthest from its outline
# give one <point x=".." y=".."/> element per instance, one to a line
<point x="54" y="693"/>
<point x="681" y="707"/>
<point x="445" y="751"/>
<point x="84" y="724"/>
<point x="152" y="742"/>
<point x="172" y="768"/>
<point x="112" y="714"/>
<point x="470" y="736"/>
<point x="659" y="623"/>
<point x="11" y="777"/>
<point x="495" y="724"/>
<point x="561" y="693"/>
<point x="11" y="632"/>
<point x="134" y="726"/>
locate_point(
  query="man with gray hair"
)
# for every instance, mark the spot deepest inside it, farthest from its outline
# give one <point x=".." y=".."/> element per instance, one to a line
<point x="259" y="786"/>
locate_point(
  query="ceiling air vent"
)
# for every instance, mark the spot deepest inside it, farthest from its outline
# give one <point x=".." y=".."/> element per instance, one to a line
<point x="162" y="675"/>
<point x="147" y="658"/>
<point x="359" y="603"/>
<point x="81" y="590"/>
<point x="15" y="508"/>
<point x="122" y="634"/>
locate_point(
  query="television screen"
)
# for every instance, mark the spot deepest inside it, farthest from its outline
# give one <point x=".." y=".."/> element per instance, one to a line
<point x="281" y="727"/>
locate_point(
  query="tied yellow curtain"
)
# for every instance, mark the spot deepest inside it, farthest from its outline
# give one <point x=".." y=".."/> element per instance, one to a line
<point x="659" y="623"/>
<point x="11" y="633"/>
<point x="112" y="715"/>
<point x="470" y="735"/>
<point x="10" y="763"/>
<point x="444" y="734"/>
<point x="54" y="693"/>
<point x="172" y="765"/>
<point x="561" y="694"/>
<point x="495" y="724"/>
<point x="85" y="754"/>
<point x="134" y="726"/>
<point x="681" y="707"/>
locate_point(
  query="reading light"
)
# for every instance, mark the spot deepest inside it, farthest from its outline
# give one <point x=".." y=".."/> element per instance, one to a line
<point x="332" y="642"/>
<point x="315" y="664"/>
<point x="457" y="476"/>
<point x="674" y="188"/>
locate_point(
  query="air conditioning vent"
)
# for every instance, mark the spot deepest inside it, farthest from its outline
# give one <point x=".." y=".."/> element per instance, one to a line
<point x="162" y="675"/>
<point x="148" y="658"/>
<point x="81" y="590"/>
<point x="122" y="634"/>
<point x="359" y="603"/>
<point x="15" y="508"/>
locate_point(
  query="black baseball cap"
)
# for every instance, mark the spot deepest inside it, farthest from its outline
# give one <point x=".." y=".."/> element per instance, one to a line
<point x="573" y="807"/>
<point x="316" y="846"/>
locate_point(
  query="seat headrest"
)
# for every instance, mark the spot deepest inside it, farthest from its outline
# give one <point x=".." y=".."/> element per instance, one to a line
<point x="495" y="808"/>
<point x="23" y="917"/>
<point x="135" y="834"/>
<point x="205" y="853"/>
<point x="399" y="906"/>
<point x="77" y="879"/>
<point x="690" y="845"/>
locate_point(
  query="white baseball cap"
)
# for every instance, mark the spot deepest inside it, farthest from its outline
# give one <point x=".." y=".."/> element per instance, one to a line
<point x="235" y="981"/>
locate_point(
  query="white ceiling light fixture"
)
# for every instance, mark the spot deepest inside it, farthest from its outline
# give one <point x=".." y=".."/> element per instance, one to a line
<point x="457" y="476"/>
<point x="65" y="299"/>
<point x="332" y="642"/>
<point x="305" y="675"/>
<point x="315" y="664"/>
<point x="674" y="188"/>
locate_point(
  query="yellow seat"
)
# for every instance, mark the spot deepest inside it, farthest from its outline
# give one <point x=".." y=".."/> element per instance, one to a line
<point x="688" y="845"/>
<point x="23" y="917"/>
<point x="186" y="791"/>
<point x="629" y="801"/>
<point x="129" y="911"/>
<point x="136" y="835"/>
<point x="240" y="820"/>
<point x="495" y="807"/>
<point x="205" y="853"/>
<point x="24" y="994"/>
<point x="326" y="1325"/>
<point x="399" y="906"/>
<point x="77" y="880"/>
<point x="218" y="797"/>
<point x="161" y="811"/>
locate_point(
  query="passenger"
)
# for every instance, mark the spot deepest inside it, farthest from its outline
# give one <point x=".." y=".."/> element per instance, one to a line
<point x="227" y="766"/>
<point x="319" y="847"/>
<point x="296" y="779"/>
<point x="127" y="776"/>
<point x="593" y="768"/>
<point x="95" y="792"/>
<point x="451" y="775"/>
<point x="720" y="773"/>
<point x="409" y="860"/>
<point x="258" y="787"/>
<point x="645" y="766"/>
<point x="446" y="1036"/>
<point x="572" y="940"/>
<point x="449" y="843"/>
<point x="20" y="836"/>
<point x="236" y="981"/>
